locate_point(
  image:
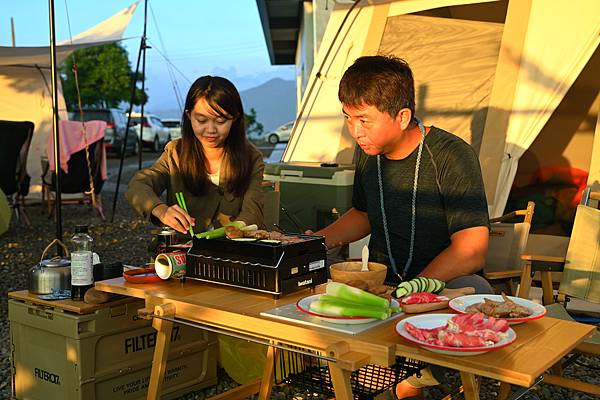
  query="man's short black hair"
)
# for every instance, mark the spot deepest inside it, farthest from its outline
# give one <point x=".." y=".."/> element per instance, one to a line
<point x="385" y="82"/>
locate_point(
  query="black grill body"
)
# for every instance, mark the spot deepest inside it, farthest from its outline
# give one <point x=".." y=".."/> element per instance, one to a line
<point x="274" y="268"/>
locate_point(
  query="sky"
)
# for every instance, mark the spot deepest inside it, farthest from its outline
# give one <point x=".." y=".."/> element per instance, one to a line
<point x="199" y="37"/>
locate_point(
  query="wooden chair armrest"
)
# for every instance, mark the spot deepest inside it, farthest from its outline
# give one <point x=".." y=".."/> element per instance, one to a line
<point x="595" y="195"/>
<point x="505" y="217"/>
<point x="512" y="273"/>
<point x="549" y="259"/>
<point x="510" y="216"/>
<point x="544" y="263"/>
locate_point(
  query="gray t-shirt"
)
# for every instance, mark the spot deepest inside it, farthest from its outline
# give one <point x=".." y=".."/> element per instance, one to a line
<point x="450" y="198"/>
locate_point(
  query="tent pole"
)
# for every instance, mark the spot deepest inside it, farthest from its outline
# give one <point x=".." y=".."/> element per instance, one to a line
<point x="132" y="98"/>
<point x="144" y="46"/>
<point x="12" y="30"/>
<point x="58" y="172"/>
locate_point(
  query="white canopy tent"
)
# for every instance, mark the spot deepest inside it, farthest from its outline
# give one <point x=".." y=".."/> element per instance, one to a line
<point x="25" y="87"/>
<point x="558" y="43"/>
<point x="491" y="71"/>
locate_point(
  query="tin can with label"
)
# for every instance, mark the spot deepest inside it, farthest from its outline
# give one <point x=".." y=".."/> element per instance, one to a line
<point x="170" y="265"/>
<point x="163" y="239"/>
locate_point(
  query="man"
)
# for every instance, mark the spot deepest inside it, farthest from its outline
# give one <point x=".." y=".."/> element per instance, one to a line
<point x="417" y="190"/>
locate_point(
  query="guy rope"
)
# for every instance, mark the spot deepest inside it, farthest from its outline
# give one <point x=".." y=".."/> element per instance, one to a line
<point x="92" y="191"/>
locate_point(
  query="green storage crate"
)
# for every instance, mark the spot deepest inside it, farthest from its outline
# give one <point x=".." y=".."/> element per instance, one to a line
<point x="312" y="195"/>
<point x="106" y="354"/>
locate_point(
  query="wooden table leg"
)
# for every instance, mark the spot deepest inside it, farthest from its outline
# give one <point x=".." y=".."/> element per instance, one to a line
<point x="504" y="391"/>
<point x="341" y="382"/>
<point x="341" y="370"/>
<point x="547" y="288"/>
<point x="525" y="284"/>
<point x="161" y="351"/>
<point x="470" y="385"/>
<point x="266" y="383"/>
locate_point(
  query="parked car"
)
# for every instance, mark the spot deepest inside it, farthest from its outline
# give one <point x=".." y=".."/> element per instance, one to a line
<point x="116" y="123"/>
<point x="174" y="125"/>
<point x="155" y="135"/>
<point x="256" y="137"/>
<point x="281" y="134"/>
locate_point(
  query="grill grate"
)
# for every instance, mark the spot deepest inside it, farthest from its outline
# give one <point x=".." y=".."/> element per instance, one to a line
<point x="229" y="272"/>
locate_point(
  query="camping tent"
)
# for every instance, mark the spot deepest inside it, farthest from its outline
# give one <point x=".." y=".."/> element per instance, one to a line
<point x="26" y="89"/>
<point x="494" y="72"/>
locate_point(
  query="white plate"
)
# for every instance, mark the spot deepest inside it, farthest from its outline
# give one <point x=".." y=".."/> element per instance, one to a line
<point x="433" y="321"/>
<point x="459" y="305"/>
<point x="244" y="239"/>
<point x="304" y="306"/>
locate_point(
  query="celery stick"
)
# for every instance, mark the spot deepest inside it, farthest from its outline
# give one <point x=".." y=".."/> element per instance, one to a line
<point x="336" y="302"/>
<point x="219" y="232"/>
<point x="348" y="303"/>
<point x="356" y="295"/>
<point x="328" y="308"/>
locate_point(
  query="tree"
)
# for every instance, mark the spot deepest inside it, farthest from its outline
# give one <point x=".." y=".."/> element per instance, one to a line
<point x="104" y="75"/>
<point x="252" y="125"/>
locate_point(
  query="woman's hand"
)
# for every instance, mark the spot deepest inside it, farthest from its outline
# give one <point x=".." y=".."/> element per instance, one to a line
<point x="174" y="216"/>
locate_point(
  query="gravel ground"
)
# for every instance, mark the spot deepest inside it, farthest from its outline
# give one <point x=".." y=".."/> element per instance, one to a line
<point x="126" y="240"/>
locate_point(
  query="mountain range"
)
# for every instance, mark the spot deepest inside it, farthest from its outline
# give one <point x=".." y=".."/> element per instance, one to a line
<point x="274" y="102"/>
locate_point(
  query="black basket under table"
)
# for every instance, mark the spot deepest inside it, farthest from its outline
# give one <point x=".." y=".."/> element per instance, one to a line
<point x="312" y="374"/>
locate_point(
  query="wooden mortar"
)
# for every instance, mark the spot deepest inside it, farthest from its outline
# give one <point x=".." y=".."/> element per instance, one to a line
<point x="349" y="272"/>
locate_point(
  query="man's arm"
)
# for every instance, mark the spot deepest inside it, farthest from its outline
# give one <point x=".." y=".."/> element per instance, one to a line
<point x="465" y="255"/>
<point x="351" y="226"/>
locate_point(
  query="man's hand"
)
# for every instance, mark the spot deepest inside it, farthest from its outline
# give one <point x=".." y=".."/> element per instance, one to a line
<point x="351" y="226"/>
<point x="174" y="216"/>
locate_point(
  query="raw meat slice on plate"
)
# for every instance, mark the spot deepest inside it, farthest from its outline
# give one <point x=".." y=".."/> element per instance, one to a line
<point x="423" y="298"/>
<point x="478" y="321"/>
<point x="462" y="330"/>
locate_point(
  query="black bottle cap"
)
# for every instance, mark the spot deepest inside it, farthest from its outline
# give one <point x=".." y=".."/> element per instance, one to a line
<point x="81" y="229"/>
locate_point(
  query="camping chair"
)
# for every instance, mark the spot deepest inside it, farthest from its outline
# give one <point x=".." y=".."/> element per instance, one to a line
<point x="77" y="180"/>
<point x="580" y="280"/>
<point x="15" y="138"/>
<point x="506" y="245"/>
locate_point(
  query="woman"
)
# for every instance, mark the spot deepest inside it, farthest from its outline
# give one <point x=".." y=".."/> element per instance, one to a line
<point x="214" y="165"/>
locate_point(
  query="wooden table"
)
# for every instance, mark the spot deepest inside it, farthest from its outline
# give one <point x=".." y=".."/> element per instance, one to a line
<point x="539" y="345"/>
<point x="78" y="307"/>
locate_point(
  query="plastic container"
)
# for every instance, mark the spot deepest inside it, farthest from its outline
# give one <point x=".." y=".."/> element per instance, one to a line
<point x="312" y="195"/>
<point x="106" y="354"/>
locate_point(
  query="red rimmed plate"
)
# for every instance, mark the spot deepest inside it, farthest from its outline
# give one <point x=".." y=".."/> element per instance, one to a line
<point x="459" y="305"/>
<point x="141" y="275"/>
<point x="433" y="321"/>
<point x="304" y="306"/>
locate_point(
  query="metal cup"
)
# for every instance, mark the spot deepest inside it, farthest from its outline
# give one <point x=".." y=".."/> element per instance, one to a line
<point x="170" y="265"/>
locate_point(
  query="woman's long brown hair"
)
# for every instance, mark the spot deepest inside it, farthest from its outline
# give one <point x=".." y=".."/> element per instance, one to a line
<point x="223" y="97"/>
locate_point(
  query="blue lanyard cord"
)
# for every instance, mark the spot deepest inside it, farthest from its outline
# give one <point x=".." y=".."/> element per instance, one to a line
<point x="413" y="209"/>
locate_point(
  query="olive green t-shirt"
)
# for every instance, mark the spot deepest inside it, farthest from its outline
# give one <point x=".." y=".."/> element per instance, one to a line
<point x="450" y="198"/>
